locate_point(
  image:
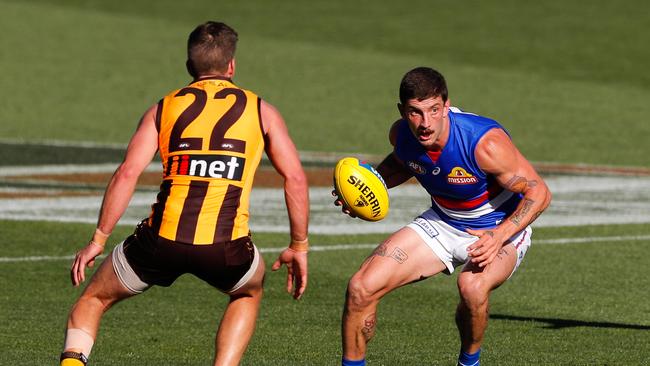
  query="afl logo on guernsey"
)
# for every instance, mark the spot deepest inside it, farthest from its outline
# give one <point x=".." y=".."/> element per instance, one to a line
<point x="416" y="168"/>
<point x="459" y="175"/>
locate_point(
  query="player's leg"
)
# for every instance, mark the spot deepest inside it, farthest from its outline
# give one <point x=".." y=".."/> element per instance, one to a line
<point x="103" y="291"/>
<point x="475" y="285"/>
<point x="238" y="322"/>
<point x="401" y="259"/>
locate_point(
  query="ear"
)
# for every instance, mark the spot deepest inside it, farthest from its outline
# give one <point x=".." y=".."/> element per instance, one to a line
<point x="400" y="108"/>
<point x="446" y="108"/>
<point x="190" y="69"/>
<point x="231" y="68"/>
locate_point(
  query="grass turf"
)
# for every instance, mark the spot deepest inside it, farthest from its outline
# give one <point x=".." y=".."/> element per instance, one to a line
<point x="560" y="76"/>
<point x="568" y="304"/>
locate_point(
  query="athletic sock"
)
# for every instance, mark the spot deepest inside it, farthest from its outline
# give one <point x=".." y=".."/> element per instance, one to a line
<point x="73" y="359"/>
<point x="466" y="359"/>
<point x="361" y="362"/>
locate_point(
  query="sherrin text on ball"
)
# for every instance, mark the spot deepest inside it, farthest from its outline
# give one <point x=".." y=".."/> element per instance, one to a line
<point x="361" y="189"/>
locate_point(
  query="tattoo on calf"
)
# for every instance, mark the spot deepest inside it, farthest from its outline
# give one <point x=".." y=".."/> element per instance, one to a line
<point x="519" y="215"/>
<point x="369" y="325"/>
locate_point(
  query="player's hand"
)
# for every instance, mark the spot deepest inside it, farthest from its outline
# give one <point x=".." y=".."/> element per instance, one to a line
<point x="296" y="263"/>
<point x="485" y="249"/>
<point x="339" y="202"/>
<point x="84" y="258"/>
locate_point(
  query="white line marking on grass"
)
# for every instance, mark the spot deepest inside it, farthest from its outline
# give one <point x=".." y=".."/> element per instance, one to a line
<point x="323" y="248"/>
<point x="64" y="143"/>
<point x="40" y="258"/>
<point x="339" y="247"/>
<point x="577" y="201"/>
<point x="17" y="171"/>
<point x="591" y="239"/>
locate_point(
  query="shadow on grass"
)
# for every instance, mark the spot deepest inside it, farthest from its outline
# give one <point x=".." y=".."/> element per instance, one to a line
<point x="553" y="323"/>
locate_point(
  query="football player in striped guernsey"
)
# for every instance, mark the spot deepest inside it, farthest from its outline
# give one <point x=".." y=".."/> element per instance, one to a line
<point x="211" y="135"/>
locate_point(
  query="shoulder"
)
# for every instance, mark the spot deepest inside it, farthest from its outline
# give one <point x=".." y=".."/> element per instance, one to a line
<point x="394" y="131"/>
<point x="493" y="149"/>
<point x="270" y="115"/>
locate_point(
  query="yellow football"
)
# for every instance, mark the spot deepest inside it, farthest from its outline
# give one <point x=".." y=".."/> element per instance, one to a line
<point x="361" y="189"/>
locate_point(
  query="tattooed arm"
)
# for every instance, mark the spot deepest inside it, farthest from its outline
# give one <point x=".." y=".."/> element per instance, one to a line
<point x="498" y="156"/>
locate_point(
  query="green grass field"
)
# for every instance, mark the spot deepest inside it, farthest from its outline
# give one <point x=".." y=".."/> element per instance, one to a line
<point x="568" y="79"/>
<point x="559" y="75"/>
<point x="569" y="304"/>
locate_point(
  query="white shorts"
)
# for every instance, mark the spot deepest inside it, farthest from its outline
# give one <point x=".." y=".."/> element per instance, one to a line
<point x="450" y="244"/>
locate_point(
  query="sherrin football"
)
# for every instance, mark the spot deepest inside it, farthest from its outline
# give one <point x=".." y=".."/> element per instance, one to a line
<point x="361" y="189"/>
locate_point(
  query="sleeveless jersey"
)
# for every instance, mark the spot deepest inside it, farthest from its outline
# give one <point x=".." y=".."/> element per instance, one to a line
<point x="210" y="141"/>
<point x="461" y="193"/>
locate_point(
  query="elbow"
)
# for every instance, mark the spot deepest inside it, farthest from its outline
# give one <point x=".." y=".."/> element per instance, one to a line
<point x="126" y="173"/>
<point x="296" y="179"/>
<point x="544" y="196"/>
<point x="549" y="198"/>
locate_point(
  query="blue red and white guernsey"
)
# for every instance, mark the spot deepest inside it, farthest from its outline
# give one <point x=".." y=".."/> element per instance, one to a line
<point x="462" y="194"/>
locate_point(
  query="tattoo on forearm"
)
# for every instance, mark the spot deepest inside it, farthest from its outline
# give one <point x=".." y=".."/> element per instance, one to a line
<point x="519" y="184"/>
<point x="490" y="233"/>
<point x="519" y="215"/>
<point x="369" y="325"/>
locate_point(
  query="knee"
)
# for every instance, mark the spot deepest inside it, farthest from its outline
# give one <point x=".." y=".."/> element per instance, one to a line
<point x="473" y="292"/>
<point x="358" y="295"/>
<point x="95" y="301"/>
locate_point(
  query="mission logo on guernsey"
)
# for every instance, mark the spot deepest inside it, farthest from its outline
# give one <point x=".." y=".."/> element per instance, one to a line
<point x="459" y="175"/>
<point x="207" y="166"/>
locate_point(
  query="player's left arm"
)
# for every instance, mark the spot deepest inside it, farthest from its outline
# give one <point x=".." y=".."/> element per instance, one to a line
<point x="139" y="153"/>
<point x="497" y="155"/>
<point x="285" y="158"/>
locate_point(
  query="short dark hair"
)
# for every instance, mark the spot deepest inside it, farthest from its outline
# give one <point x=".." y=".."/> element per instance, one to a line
<point x="422" y="83"/>
<point x="210" y="47"/>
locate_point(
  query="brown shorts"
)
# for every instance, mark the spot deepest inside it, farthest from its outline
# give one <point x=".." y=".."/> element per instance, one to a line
<point x="158" y="261"/>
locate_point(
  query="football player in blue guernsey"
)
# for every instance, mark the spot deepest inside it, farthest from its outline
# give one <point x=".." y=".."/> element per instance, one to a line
<point x="484" y="195"/>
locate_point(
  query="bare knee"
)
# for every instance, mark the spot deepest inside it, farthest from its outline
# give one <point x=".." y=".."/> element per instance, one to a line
<point x="474" y="293"/>
<point x="359" y="296"/>
<point x="95" y="301"/>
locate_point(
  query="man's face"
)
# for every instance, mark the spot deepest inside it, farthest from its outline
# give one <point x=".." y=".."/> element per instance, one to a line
<point x="426" y="118"/>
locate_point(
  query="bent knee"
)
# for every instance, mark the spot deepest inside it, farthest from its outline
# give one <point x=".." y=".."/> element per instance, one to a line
<point x="359" y="295"/>
<point x="473" y="291"/>
<point x="96" y="301"/>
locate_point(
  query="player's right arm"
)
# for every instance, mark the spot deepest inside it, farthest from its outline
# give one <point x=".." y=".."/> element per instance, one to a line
<point x="284" y="156"/>
<point x="392" y="169"/>
<point x="140" y="151"/>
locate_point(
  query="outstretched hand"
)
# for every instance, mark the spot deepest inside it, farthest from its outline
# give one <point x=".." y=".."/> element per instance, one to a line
<point x="84" y="258"/>
<point x="296" y="262"/>
<point x="339" y="202"/>
<point x="485" y="249"/>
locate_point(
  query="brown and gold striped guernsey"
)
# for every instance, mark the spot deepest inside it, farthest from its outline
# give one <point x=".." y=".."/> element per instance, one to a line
<point x="211" y="141"/>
